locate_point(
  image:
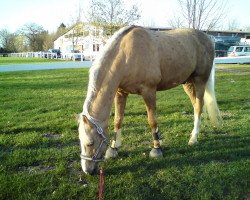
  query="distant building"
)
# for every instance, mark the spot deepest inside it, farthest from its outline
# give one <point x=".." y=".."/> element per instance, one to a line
<point x="90" y="40"/>
<point x="85" y="38"/>
<point x="223" y="39"/>
<point x="245" y="40"/>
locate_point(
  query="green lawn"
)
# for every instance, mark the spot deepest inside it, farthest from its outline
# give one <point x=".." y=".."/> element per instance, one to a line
<point x="39" y="147"/>
<point x="20" y="60"/>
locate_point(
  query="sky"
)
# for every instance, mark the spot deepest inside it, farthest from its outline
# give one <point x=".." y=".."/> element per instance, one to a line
<point x="51" y="13"/>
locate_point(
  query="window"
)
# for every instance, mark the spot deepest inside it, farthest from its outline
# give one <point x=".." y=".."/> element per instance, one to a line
<point x="97" y="33"/>
<point x="238" y="49"/>
<point x="247" y="49"/>
<point x="96" y="47"/>
<point x="231" y="49"/>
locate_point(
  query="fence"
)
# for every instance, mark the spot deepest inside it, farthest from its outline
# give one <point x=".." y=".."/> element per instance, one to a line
<point x="62" y="56"/>
<point x="232" y="60"/>
<point x="35" y="55"/>
<point x="81" y="57"/>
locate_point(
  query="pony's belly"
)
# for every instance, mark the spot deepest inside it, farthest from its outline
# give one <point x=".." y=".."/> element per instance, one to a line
<point x="167" y="85"/>
<point x="133" y="89"/>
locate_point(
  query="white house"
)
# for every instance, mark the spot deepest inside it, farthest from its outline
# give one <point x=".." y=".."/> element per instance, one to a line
<point x="245" y="40"/>
<point x="87" y="39"/>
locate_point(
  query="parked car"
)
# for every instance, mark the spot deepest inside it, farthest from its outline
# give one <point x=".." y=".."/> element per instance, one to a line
<point x="243" y="50"/>
<point x="44" y="54"/>
<point x="57" y="51"/>
<point x="76" y="55"/>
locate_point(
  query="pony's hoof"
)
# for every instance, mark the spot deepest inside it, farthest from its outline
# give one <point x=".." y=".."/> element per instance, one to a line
<point x="111" y="153"/>
<point x="192" y="142"/>
<point x="156" y="153"/>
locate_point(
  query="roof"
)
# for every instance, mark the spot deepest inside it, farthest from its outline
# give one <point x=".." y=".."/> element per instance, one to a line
<point x="230" y="31"/>
<point x="210" y="31"/>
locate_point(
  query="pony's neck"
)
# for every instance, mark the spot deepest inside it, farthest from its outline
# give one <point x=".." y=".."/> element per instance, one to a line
<point x="104" y="79"/>
<point x="101" y="91"/>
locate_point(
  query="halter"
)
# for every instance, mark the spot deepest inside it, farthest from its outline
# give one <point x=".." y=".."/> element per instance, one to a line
<point x="104" y="140"/>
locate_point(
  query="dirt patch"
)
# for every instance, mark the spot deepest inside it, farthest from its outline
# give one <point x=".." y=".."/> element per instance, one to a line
<point x="36" y="169"/>
<point x="51" y="135"/>
<point x="246" y="102"/>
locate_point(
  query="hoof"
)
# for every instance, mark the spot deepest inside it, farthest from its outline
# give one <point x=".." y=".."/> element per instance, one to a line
<point x="156" y="153"/>
<point x="111" y="153"/>
<point x="192" y="142"/>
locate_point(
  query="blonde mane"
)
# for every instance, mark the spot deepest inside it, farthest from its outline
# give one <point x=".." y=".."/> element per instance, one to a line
<point x="94" y="70"/>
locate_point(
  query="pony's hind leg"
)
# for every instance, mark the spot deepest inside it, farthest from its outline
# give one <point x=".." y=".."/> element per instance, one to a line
<point x="195" y="91"/>
<point x="120" y="103"/>
<point x="149" y="97"/>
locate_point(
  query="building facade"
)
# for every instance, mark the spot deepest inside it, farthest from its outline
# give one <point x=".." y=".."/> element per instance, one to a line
<point x="90" y="40"/>
<point x="83" y="38"/>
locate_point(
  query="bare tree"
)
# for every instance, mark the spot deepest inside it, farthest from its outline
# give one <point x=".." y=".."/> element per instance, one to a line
<point x="75" y="31"/>
<point x="176" y="22"/>
<point x="112" y="14"/>
<point x="48" y="42"/>
<point x="5" y="37"/>
<point x="20" y="43"/>
<point x="8" y="41"/>
<point x="50" y="38"/>
<point x="233" y="25"/>
<point x="246" y="28"/>
<point x="35" y="36"/>
<point x="201" y="14"/>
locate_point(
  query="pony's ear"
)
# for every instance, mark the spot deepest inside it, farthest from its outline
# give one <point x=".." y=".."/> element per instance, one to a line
<point x="86" y="121"/>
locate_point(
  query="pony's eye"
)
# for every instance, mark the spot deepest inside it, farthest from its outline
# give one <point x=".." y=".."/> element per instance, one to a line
<point x="90" y="144"/>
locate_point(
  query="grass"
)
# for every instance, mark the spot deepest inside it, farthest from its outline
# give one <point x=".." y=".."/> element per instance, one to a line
<point x="21" y="60"/>
<point x="39" y="147"/>
<point x="234" y="66"/>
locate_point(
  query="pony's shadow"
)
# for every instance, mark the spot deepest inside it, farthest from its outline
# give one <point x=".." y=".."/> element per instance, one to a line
<point x="225" y="149"/>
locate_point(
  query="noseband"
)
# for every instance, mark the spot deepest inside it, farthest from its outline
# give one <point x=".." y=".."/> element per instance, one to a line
<point x="104" y="140"/>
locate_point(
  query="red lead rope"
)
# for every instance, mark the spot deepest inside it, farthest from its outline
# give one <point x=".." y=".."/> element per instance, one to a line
<point x="101" y="183"/>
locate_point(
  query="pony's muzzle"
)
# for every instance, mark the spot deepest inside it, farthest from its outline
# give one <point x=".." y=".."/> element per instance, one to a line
<point x="89" y="167"/>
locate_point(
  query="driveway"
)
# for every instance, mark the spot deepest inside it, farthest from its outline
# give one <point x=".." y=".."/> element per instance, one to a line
<point x="44" y="66"/>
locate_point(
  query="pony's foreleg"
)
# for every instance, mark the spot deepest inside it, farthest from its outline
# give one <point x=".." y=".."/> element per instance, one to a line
<point x="150" y="101"/>
<point x="120" y="104"/>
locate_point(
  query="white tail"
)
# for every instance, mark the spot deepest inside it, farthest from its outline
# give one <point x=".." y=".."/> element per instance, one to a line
<point x="210" y="103"/>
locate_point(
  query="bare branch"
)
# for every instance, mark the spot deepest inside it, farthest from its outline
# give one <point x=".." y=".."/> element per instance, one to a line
<point x="201" y="14"/>
<point x="112" y="14"/>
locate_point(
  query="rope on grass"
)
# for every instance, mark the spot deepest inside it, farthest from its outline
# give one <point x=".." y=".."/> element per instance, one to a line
<point x="101" y="183"/>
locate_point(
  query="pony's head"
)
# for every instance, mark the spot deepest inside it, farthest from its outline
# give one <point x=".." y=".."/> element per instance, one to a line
<point x="93" y="143"/>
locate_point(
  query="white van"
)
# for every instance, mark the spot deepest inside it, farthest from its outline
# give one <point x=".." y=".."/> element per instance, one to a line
<point x="238" y="51"/>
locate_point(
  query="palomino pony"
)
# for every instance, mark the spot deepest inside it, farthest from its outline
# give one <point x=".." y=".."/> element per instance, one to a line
<point x="139" y="61"/>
